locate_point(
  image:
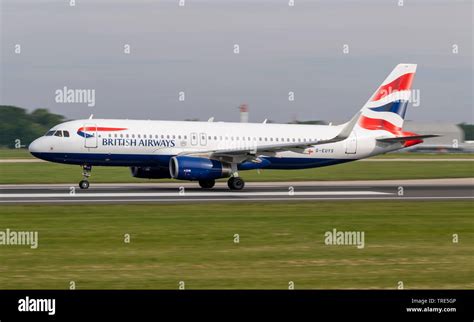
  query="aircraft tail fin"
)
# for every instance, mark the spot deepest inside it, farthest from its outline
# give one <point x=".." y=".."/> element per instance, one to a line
<point x="386" y="108"/>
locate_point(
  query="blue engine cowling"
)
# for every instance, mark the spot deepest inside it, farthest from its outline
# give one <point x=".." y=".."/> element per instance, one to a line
<point x="150" y="172"/>
<point x="195" y="168"/>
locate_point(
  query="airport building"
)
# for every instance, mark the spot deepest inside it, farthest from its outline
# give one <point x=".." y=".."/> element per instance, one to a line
<point x="451" y="137"/>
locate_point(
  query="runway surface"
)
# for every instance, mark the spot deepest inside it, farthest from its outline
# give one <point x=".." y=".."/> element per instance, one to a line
<point x="430" y="189"/>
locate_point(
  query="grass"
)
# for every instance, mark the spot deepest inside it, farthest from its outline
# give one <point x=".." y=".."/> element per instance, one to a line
<point x="24" y="154"/>
<point x="279" y="242"/>
<point x="59" y="173"/>
<point x="15" y="154"/>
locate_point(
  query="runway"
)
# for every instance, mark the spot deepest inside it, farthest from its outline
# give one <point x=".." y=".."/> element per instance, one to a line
<point x="431" y="189"/>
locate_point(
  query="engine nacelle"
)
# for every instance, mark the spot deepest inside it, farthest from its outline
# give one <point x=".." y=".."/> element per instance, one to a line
<point x="150" y="172"/>
<point x="195" y="168"/>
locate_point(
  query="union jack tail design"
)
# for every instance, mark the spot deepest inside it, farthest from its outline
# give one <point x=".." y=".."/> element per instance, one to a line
<point x="386" y="108"/>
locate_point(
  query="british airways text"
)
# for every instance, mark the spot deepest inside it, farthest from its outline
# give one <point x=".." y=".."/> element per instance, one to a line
<point x="139" y="142"/>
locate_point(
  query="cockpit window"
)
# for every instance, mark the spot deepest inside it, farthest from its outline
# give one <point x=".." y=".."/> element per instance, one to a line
<point x="49" y="133"/>
<point x="66" y="134"/>
<point x="58" y="133"/>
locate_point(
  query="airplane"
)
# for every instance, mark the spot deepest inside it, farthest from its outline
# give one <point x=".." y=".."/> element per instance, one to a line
<point x="206" y="151"/>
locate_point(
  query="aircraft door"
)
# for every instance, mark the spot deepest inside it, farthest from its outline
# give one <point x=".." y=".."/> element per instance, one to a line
<point x="351" y="144"/>
<point x="90" y="135"/>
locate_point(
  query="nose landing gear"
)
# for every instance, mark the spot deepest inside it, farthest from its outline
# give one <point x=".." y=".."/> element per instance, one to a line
<point x="86" y="173"/>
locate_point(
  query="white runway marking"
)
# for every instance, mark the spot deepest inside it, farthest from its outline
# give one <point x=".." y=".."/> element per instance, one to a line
<point x="194" y="194"/>
<point x="231" y="199"/>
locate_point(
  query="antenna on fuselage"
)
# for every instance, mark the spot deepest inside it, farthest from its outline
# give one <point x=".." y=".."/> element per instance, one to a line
<point x="90" y="117"/>
<point x="265" y="121"/>
<point x="211" y="119"/>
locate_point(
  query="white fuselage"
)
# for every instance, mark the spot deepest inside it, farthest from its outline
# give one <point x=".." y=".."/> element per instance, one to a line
<point x="152" y="143"/>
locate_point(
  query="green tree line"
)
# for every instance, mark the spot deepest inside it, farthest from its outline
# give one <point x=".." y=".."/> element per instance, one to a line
<point x="17" y="124"/>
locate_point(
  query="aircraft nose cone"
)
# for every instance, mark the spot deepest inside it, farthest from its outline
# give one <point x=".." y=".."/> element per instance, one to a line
<point x="34" y="147"/>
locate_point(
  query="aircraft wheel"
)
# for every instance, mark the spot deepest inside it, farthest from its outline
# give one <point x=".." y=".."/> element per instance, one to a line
<point x="236" y="183"/>
<point x="84" y="184"/>
<point x="207" y="184"/>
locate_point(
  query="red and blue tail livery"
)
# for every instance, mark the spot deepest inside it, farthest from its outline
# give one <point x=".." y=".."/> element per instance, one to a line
<point x="387" y="107"/>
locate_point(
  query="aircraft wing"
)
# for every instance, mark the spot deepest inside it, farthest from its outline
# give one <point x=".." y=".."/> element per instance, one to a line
<point x="261" y="149"/>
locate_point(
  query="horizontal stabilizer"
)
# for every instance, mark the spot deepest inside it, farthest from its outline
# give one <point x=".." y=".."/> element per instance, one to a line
<point x="407" y="138"/>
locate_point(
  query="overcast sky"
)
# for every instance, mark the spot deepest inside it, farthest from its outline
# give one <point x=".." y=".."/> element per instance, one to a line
<point x="191" y="49"/>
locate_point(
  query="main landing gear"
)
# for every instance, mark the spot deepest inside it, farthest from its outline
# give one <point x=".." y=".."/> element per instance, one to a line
<point x="86" y="173"/>
<point x="207" y="184"/>
<point x="236" y="183"/>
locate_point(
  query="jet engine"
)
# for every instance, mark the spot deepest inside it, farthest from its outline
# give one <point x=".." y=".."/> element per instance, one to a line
<point x="197" y="168"/>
